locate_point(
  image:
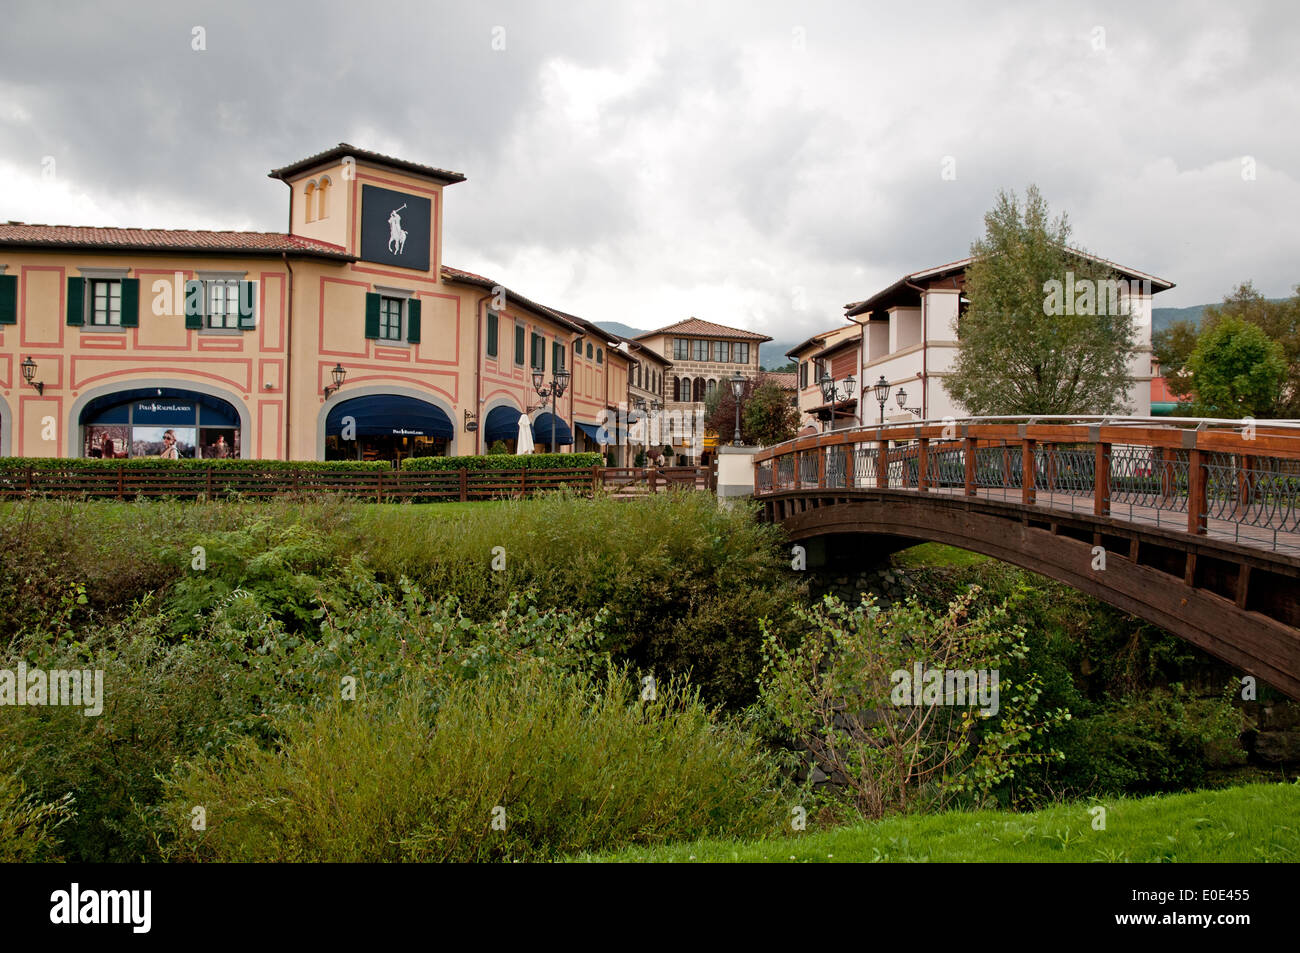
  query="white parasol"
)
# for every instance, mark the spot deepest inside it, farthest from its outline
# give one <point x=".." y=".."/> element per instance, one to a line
<point x="525" y="442"/>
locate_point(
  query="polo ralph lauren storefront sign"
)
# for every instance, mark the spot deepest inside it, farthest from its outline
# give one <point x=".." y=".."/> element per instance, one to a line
<point x="395" y="228"/>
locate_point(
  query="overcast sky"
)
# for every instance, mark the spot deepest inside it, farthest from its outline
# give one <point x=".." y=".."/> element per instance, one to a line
<point x="747" y="163"/>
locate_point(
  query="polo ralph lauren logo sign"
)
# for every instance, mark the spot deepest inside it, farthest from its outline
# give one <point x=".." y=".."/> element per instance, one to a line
<point x="395" y="228"/>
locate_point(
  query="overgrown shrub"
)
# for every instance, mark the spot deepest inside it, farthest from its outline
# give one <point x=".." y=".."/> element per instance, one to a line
<point x="528" y="767"/>
<point x="871" y="694"/>
<point x="685" y="582"/>
<point x="27" y="827"/>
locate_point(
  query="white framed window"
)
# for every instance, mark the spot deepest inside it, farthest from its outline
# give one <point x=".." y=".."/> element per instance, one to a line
<point x="106" y="302"/>
<point x="390" y="319"/>
<point x="223" y="305"/>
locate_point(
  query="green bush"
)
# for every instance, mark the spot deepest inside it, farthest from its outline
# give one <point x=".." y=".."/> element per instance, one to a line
<point x="506" y="461"/>
<point x="27" y="827"/>
<point x="498" y="448"/>
<point x="685" y="581"/>
<point x="163" y="700"/>
<point x="845" y="695"/>
<point x="244" y="675"/>
<point x="529" y="767"/>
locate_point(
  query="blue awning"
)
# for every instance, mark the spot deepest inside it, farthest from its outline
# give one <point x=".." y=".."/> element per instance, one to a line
<point x="160" y="407"/>
<point x="389" y="415"/>
<point x="502" y="423"/>
<point x="611" y="436"/>
<point x="542" y="430"/>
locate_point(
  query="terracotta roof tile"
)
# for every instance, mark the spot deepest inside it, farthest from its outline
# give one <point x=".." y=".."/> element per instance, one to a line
<point x="343" y="150"/>
<point x="166" y="239"/>
<point x="694" y="326"/>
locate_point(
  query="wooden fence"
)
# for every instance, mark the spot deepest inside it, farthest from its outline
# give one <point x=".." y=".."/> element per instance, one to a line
<point x="194" y="483"/>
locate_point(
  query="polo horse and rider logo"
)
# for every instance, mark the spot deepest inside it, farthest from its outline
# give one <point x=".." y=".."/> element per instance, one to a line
<point x="396" y="234"/>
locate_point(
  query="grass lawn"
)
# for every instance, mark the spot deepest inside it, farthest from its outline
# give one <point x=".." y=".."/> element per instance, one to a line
<point x="1257" y="822"/>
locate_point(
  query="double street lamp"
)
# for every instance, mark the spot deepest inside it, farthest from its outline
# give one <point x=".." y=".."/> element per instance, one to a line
<point x="831" y="393"/>
<point x="554" y="390"/>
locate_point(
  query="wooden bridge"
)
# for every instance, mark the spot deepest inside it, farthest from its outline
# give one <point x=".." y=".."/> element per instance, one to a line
<point x="1196" y="522"/>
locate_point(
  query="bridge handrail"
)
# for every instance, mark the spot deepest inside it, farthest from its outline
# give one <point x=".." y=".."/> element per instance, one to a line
<point x="1275" y="437"/>
<point x="1243" y="474"/>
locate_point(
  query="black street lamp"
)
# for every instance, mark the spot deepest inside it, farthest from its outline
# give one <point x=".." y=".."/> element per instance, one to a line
<point x="29" y="372"/>
<point x="554" y="390"/>
<point x="881" y="387"/>
<point x="338" y="374"/>
<point x="901" y="397"/>
<point x="831" y="394"/>
<point x="737" y="388"/>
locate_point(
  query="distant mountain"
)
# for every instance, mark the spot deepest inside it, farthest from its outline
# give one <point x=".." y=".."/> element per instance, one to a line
<point x="622" y="330"/>
<point x="1161" y="318"/>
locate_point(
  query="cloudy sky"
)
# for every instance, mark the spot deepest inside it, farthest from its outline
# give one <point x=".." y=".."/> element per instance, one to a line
<point x="748" y="163"/>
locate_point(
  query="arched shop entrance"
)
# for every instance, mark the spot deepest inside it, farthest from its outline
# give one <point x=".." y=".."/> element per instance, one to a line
<point x="502" y="423"/>
<point x="542" y="432"/>
<point x="133" y="423"/>
<point x="386" y="427"/>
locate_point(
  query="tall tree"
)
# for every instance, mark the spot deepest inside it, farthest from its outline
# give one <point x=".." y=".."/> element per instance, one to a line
<point x="1236" y="370"/>
<point x="1040" y="336"/>
<point x="1279" y="320"/>
<point x="767" y="415"/>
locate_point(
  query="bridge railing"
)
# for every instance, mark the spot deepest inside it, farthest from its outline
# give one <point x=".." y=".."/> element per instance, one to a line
<point x="1239" y="478"/>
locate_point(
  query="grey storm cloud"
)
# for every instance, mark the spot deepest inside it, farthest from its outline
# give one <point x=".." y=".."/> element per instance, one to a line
<point x="750" y="163"/>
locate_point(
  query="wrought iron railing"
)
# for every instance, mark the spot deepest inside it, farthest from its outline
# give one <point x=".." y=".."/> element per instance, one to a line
<point x="1234" y="478"/>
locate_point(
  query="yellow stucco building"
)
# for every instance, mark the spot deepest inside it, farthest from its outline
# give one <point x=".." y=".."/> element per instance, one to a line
<point x="113" y="340"/>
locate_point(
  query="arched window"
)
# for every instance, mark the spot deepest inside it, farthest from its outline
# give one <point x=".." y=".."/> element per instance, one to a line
<point x="682" y="388"/>
<point x="323" y="191"/>
<point x="699" y="389"/>
<point x="309" y="202"/>
<point x="709" y="390"/>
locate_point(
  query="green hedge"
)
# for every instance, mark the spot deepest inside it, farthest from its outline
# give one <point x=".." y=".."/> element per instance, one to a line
<point x="9" y="465"/>
<point x="504" y="461"/>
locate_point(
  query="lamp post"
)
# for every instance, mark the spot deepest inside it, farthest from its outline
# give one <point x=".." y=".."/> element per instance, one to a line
<point x="737" y="388"/>
<point x="831" y="394"/>
<point x="29" y="372"/>
<point x="554" y="390"/>
<point x="338" y="374"/>
<point x="881" y="387"/>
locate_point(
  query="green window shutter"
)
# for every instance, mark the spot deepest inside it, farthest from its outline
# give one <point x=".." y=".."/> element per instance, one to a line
<point x="8" y="299"/>
<point x="413" y="321"/>
<point x="247" y="306"/>
<point x="372" y="315"/>
<point x="556" y="360"/>
<point x="519" y="344"/>
<point x="194" y="305"/>
<point x="76" y="301"/>
<point x="492" y="334"/>
<point x="130" y="302"/>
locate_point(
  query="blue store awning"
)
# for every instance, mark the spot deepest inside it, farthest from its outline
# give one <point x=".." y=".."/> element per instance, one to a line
<point x="542" y="430"/>
<point x="159" y="407"/>
<point x="612" y="435"/>
<point x="502" y="423"/>
<point x="387" y="415"/>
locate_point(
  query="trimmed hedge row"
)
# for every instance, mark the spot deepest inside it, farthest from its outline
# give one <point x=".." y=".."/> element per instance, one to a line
<point x="10" y="465"/>
<point x="506" y="461"/>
